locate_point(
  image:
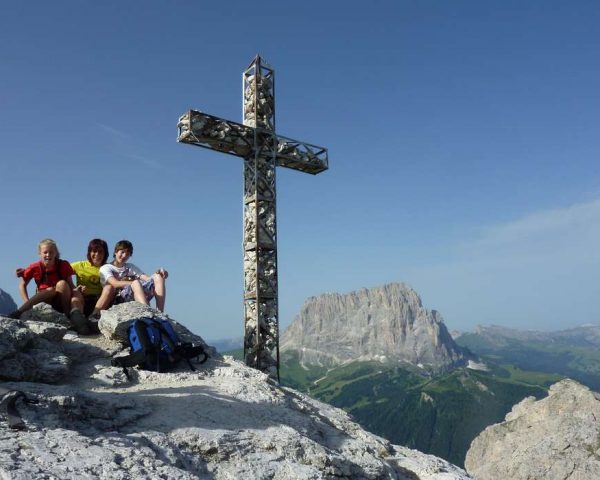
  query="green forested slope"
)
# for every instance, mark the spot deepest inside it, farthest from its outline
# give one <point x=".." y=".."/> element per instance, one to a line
<point x="439" y="415"/>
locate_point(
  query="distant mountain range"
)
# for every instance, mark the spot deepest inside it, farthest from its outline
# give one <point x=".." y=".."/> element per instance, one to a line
<point x="572" y="353"/>
<point x="227" y="344"/>
<point x="494" y="335"/>
<point x="7" y="304"/>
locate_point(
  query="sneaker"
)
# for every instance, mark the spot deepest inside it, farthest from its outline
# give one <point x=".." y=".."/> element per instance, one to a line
<point x="79" y="322"/>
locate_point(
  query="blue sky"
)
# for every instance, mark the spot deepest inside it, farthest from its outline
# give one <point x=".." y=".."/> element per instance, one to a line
<point x="463" y="139"/>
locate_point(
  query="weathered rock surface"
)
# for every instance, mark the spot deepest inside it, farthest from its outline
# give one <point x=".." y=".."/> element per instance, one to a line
<point x="7" y="304"/>
<point x="29" y="351"/>
<point x="385" y="323"/>
<point x="556" y="438"/>
<point x="43" y="312"/>
<point x="223" y="421"/>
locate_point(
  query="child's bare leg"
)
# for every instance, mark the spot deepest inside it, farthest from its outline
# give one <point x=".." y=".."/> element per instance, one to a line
<point x="42" y="296"/>
<point x="77" y="300"/>
<point x="63" y="289"/>
<point x="160" y="291"/>
<point x="106" y="298"/>
<point x="138" y="292"/>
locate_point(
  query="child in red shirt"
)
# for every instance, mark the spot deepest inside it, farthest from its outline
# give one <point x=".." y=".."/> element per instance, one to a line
<point x="54" y="285"/>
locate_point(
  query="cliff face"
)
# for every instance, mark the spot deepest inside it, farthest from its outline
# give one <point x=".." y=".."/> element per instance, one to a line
<point x="222" y="421"/>
<point x="384" y="323"/>
<point x="557" y="437"/>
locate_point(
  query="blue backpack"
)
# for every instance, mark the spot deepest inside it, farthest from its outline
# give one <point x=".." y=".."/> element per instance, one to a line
<point x="155" y="346"/>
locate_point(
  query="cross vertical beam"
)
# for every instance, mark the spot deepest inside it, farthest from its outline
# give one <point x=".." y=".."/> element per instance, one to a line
<point x="261" y="310"/>
<point x="262" y="150"/>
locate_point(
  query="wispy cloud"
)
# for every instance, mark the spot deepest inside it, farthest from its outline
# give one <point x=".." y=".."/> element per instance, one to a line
<point x="558" y="223"/>
<point x="539" y="271"/>
<point x="148" y="162"/>
<point x="564" y="237"/>
<point x="124" y="143"/>
<point x="119" y="134"/>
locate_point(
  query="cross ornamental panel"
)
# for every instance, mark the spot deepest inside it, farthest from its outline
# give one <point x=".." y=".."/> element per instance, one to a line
<point x="262" y="150"/>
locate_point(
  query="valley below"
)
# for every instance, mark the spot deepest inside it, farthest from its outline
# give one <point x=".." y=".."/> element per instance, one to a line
<point x="389" y="362"/>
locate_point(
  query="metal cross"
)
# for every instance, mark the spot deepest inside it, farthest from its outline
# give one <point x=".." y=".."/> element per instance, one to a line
<point x="262" y="150"/>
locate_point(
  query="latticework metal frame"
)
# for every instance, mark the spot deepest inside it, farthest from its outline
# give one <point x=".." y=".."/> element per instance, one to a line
<point x="262" y="150"/>
<point x="261" y="310"/>
<point x="214" y="133"/>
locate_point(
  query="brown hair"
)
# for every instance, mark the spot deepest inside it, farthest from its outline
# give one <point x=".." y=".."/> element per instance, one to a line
<point x="123" y="245"/>
<point x="96" y="244"/>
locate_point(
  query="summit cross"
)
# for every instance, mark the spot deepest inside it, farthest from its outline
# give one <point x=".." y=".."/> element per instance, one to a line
<point x="262" y="150"/>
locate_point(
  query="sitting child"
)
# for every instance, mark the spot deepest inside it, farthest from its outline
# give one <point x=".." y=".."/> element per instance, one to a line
<point x="54" y="286"/>
<point x="95" y="296"/>
<point x="130" y="282"/>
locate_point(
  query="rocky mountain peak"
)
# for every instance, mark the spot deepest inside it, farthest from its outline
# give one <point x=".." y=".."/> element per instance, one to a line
<point x="387" y="323"/>
<point x="557" y="437"/>
<point x="221" y="421"/>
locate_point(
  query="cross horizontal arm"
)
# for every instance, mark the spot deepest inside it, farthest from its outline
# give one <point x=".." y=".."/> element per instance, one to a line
<point x="207" y="131"/>
<point x="301" y="156"/>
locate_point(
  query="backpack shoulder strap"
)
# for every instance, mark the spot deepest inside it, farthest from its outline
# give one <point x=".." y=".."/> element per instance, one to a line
<point x="188" y="351"/>
<point x="184" y="350"/>
<point x="165" y="335"/>
<point x="8" y="398"/>
<point x="59" y="263"/>
<point x="42" y="272"/>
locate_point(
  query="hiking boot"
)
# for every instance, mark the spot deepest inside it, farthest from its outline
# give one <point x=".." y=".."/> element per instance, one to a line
<point x="93" y="322"/>
<point x="14" y="315"/>
<point x="79" y="323"/>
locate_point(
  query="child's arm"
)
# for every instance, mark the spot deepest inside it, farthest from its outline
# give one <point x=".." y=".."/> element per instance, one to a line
<point x="112" y="281"/>
<point x="23" y="289"/>
<point x="138" y="272"/>
<point x="71" y="284"/>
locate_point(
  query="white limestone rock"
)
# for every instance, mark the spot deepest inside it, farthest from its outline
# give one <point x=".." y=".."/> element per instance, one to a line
<point x="388" y="321"/>
<point x="14" y="336"/>
<point x="555" y="438"/>
<point x="42" y="312"/>
<point x="223" y="421"/>
<point x="50" y="331"/>
<point x="29" y="351"/>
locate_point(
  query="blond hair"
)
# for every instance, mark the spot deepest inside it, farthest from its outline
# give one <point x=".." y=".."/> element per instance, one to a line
<point x="48" y="242"/>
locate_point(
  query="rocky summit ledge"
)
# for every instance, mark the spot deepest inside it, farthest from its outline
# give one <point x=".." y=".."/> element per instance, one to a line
<point x="555" y="438"/>
<point x="222" y="421"/>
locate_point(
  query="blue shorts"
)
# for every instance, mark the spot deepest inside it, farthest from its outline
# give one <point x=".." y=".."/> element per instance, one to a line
<point x="126" y="293"/>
